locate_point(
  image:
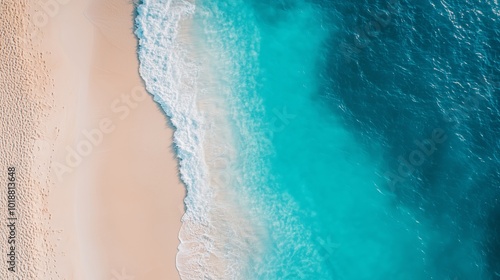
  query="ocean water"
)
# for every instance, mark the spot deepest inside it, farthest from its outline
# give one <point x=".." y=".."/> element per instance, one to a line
<point x="331" y="139"/>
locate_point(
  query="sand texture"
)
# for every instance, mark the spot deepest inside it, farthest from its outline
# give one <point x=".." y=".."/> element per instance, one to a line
<point x="98" y="193"/>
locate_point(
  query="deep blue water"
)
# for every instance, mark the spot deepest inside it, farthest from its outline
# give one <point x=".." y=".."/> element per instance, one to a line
<point x="365" y="135"/>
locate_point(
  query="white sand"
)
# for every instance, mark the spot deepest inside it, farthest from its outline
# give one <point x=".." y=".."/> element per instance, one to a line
<point x="114" y="209"/>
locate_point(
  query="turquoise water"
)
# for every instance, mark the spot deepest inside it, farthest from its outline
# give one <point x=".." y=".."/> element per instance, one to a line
<point x="326" y="102"/>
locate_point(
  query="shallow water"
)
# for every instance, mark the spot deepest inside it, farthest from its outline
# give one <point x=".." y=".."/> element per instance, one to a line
<point x="363" y="136"/>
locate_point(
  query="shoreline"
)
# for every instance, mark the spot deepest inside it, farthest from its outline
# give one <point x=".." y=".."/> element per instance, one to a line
<point x="193" y="90"/>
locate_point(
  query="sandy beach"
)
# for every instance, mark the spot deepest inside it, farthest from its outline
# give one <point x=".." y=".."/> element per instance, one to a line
<point x="104" y="199"/>
<point x="26" y="237"/>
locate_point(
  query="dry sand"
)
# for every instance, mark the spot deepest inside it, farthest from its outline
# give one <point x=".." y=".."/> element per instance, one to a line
<point x="25" y="100"/>
<point x="104" y="198"/>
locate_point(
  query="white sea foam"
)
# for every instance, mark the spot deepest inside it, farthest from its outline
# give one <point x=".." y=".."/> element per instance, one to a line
<point x="206" y="84"/>
<point x="215" y="235"/>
